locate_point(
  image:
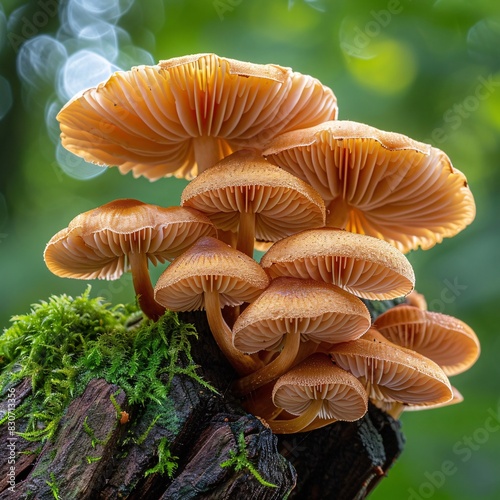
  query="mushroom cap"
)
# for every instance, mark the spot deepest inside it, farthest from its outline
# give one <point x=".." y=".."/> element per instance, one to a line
<point x="457" y="398"/>
<point x="317" y="311"/>
<point x="246" y="182"/>
<point x="147" y="120"/>
<point x="416" y="299"/>
<point x="393" y="373"/>
<point x="96" y="243"/>
<point x="210" y="265"/>
<point x="446" y="340"/>
<point x="364" y="266"/>
<point x="390" y="186"/>
<point x="344" y="397"/>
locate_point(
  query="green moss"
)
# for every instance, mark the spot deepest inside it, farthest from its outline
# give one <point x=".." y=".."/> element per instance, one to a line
<point x="167" y="463"/>
<point x="54" y="487"/>
<point x="239" y="460"/>
<point x="143" y="436"/>
<point x="65" y="342"/>
<point x="115" y="404"/>
<point x="95" y="441"/>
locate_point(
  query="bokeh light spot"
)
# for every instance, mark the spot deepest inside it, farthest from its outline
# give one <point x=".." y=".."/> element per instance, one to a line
<point x="483" y="42"/>
<point x="392" y="69"/>
<point x="355" y="40"/>
<point x="39" y="60"/>
<point x="82" y="70"/>
<point x="77" y="167"/>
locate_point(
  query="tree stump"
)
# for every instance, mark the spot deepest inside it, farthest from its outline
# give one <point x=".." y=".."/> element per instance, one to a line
<point x="216" y="450"/>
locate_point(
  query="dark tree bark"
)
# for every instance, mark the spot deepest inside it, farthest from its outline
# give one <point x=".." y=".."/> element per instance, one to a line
<point x="92" y="456"/>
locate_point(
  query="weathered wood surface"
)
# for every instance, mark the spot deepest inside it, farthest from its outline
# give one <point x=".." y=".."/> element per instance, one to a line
<point x="342" y="461"/>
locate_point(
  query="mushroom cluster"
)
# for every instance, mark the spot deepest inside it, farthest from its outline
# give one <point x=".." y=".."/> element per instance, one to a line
<point x="334" y="204"/>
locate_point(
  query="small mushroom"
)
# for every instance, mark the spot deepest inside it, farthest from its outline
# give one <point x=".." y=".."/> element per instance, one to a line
<point x="246" y="194"/>
<point x="184" y="114"/>
<point x="396" y="409"/>
<point x="378" y="183"/>
<point x="317" y="393"/>
<point x="291" y="311"/>
<point x="392" y="373"/>
<point x="364" y="266"/>
<point x="446" y="340"/>
<point x="417" y="300"/>
<point x="125" y="234"/>
<point x="210" y="275"/>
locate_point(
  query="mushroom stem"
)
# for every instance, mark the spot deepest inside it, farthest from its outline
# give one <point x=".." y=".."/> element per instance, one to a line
<point x="274" y="369"/>
<point x="246" y="233"/>
<point x="207" y="152"/>
<point x="318" y="423"/>
<point x="298" y="423"/>
<point x="308" y="348"/>
<point x="396" y="410"/>
<point x="227" y="237"/>
<point x="337" y="213"/>
<point x="242" y="363"/>
<point x="260" y="403"/>
<point x="143" y="287"/>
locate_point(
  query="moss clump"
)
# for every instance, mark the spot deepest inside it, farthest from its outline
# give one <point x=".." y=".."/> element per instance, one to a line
<point x="65" y="342"/>
<point x="239" y="461"/>
<point x="167" y="463"/>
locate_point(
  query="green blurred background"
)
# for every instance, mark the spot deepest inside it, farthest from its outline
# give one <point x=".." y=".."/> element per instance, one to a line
<point x="428" y="69"/>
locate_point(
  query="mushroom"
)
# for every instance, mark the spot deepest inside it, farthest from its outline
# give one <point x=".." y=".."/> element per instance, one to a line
<point x="317" y="393"/>
<point x="378" y="183"/>
<point x="457" y="398"/>
<point x="417" y="300"/>
<point x="290" y="311"/>
<point x="246" y="194"/>
<point x="183" y="115"/>
<point x="446" y="340"/>
<point x="364" y="266"/>
<point x="125" y="234"/>
<point x="392" y="373"/>
<point x="396" y="409"/>
<point x="211" y="275"/>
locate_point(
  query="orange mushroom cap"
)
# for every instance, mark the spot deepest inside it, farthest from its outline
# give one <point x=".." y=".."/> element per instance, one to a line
<point x="316" y="311"/>
<point x="364" y="266"/>
<point x="291" y="311"/>
<point x="210" y="275"/>
<point x="245" y="186"/>
<point x="96" y="243"/>
<point x="392" y="373"/>
<point x="456" y="399"/>
<point x="446" y="340"/>
<point x="121" y="235"/>
<point x="210" y="265"/>
<point x="378" y="183"/>
<point x="182" y="115"/>
<point x="318" y="393"/>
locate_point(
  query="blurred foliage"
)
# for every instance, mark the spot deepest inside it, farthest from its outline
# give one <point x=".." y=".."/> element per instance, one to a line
<point x="428" y="69"/>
